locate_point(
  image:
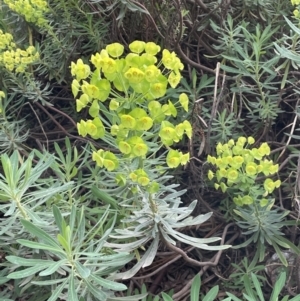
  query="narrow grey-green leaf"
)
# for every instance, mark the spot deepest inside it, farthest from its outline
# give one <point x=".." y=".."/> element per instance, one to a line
<point x="96" y="292"/>
<point x="212" y="294"/>
<point x="56" y="293"/>
<point x="195" y="289"/>
<point x="83" y="271"/>
<point x="166" y="297"/>
<point x="39" y="233"/>
<point x="278" y="287"/>
<point x="36" y="245"/>
<point x="58" y="217"/>
<point x="72" y="296"/>
<point x="130" y="298"/>
<point x="26" y="272"/>
<point x="27" y="261"/>
<point x="257" y="287"/>
<point x="109" y="284"/>
<point x="53" y="267"/>
<point x="48" y="282"/>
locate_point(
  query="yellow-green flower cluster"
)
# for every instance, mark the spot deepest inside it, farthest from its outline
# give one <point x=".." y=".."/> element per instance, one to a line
<point x="2" y="95"/>
<point x="238" y="166"/>
<point x="13" y="58"/>
<point x="131" y="83"/>
<point x="32" y="10"/>
<point x="105" y="159"/>
<point x="296" y="12"/>
<point x="140" y="177"/>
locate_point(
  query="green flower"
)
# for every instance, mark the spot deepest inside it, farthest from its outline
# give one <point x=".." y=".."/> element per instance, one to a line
<point x="120" y="180"/>
<point x="221" y="173"/>
<point x="251" y="169"/>
<point x="237" y="150"/>
<point x="184" y="101"/>
<point x="124" y="147"/>
<point x="210" y="175"/>
<point x="185" y="158"/>
<point x="82" y="102"/>
<point x="100" y="132"/>
<point x="273" y="169"/>
<point x="134" y="75"/>
<point x="128" y="122"/>
<point x="211" y="159"/>
<point x="151" y="73"/>
<point x="144" y="124"/>
<point x="222" y="162"/>
<point x="264" y="149"/>
<point x="219" y="149"/>
<point x="241" y="141"/>
<point x="173" y="158"/>
<point x="188" y="128"/>
<point x="269" y="185"/>
<point x="91" y="90"/>
<point x="98" y="157"/>
<point x="114" y="104"/>
<point x="238" y="201"/>
<point x="110" y="161"/>
<point x="104" y="88"/>
<point x="174" y="79"/>
<point x="250" y="140"/>
<point x="114" y="130"/>
<point x="236" y="161"/>
<point x="75" y="87"/>
<point x="263" y="202"/>
<point x="266" y="166"/>
<point x="81" y="128"/>
<point x="158" y="90"/>
<point x="80" y="70"/>
<point x="144" y="181"/>
<point x="169" y="109"/>
<point x="232" y="174"/>
<point x="138" y="146"/>
<point x="223" y="187"/>
<point x="153" y="188"/>
<point x="94" y="108"/>
<point x="256" y="154"/>
<point x="152" y="48"/>
<point x="231" y="142"/>
<point x="115" y="49"/>
<point x="137" y="46"/>
<point x="140" y="149"/>
<point x="247" y="200"/>
<point x="109" y="65"/>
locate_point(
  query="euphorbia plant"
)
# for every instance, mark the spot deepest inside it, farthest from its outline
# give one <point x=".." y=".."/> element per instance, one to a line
<point x="124" y="95"/>
<point x="246" y="175"/>
<point x="238" y="167"/>
<point x="133" y="121"/>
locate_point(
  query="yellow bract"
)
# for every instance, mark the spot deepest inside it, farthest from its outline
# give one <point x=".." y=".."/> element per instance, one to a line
<point x="115" y="49"/>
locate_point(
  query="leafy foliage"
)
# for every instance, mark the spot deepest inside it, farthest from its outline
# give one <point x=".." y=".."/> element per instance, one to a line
<point x="157" y="85"/>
